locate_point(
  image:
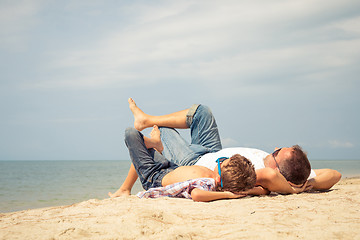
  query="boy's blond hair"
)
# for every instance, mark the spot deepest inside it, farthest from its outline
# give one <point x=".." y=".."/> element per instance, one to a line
<point x="238" y="175"/>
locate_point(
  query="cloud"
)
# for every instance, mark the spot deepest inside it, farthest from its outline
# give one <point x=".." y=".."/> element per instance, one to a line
<point x="229" y="142"/>
<point x="340" y="144"/>
<point x="78" y="120"/>
<point x="349" y="26"/>
<point x="17" y="18"/>
<point x="243" y="44"/>
<point x="274" y="60"/>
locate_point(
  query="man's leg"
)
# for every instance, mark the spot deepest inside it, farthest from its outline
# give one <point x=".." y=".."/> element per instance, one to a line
<point x="143" y="120"/>
<point x="175" y="148"/>
<point x="204" y="137"/>
<point x="203" y="127"/>
<point x="204" y="132"/>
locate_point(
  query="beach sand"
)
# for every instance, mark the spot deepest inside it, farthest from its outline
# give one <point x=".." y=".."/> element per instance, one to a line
<point x="334" y="214"/>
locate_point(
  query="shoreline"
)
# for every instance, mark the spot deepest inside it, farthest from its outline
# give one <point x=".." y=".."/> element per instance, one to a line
<point x="329" y="214"/>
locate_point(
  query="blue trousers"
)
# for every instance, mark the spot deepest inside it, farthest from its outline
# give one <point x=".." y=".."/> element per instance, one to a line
<point x="151" y="166"/>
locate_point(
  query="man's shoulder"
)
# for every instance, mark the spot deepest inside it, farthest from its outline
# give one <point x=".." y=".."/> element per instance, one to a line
<point x="243" y="150"/>
<point x="254" y="155"/>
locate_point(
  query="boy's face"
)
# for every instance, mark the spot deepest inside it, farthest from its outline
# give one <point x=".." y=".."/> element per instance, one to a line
<point x="224" y="163"/>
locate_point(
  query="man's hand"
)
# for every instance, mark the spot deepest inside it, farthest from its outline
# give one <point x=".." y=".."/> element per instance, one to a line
<point x="301" y="187"/>
<point x="274" y="181"/>
<point x="325" y="179"/>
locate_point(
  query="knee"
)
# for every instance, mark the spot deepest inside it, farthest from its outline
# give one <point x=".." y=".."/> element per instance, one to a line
<point x="131" y="134"/>
<point x="205" y="114"/>
<point x="204" y="109"/>
<point x="167" y="131"/>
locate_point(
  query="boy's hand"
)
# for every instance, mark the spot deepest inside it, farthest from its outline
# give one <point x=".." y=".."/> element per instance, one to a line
<point x="236" y="195"/>
<point x="258" y="190"/>
<point x="199" y="195"/>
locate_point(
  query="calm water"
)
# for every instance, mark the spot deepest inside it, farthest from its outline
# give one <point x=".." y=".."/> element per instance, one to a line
<point x="36" y="184"/>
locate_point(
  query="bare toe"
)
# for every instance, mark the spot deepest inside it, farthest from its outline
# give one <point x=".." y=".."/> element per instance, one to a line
<point x="140" y="118"/>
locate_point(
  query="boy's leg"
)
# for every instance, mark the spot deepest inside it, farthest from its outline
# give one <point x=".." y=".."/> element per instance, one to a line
<point x="149" y="164"/>
<point x="143" y="120"/>
<point x="153" y="142"/>
<point x="125" y="188"/>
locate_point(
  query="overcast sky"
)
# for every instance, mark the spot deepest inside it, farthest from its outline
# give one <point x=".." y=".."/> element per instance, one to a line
<point x="274" y="73"/>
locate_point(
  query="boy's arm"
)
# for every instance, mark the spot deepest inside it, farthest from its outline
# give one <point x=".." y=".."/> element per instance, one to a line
<point x="325" y="179"/>
<point x="272" y="180"/>
<point x="258" y="190"/>
<point x="200" y="195"/>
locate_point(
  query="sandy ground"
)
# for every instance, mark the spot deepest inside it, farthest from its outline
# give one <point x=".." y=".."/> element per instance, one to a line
<point x="319" y="215"/>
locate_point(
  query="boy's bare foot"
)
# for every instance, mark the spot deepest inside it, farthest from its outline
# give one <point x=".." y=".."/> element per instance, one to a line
<point x="119" y="193"/>
<point x="140" y="118"/>
<point x="156" y="140"/>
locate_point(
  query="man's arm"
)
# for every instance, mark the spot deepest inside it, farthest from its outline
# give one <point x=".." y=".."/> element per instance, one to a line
<point x="272" y="180"/>
<point x="325" y="179"/>
<point x="200" y="195"/>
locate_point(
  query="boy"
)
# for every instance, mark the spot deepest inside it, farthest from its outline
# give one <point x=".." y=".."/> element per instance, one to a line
<point x="161" y="177"/>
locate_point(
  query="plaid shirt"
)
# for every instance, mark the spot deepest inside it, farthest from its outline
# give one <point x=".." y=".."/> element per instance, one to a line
<point x="180" y="189"/>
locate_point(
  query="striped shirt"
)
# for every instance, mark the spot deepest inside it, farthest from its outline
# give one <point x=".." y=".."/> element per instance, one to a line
<point x="180" y="189"/>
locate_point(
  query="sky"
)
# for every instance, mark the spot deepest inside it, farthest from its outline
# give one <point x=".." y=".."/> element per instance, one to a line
<point x="274" y="73"/>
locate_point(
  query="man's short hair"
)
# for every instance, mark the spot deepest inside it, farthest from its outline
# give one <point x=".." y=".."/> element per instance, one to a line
<point x="297" y="168"/>
<point x="238" y="175"/>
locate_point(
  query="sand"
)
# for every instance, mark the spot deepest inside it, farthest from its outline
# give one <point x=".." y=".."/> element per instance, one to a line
<point x="334" y="214"/>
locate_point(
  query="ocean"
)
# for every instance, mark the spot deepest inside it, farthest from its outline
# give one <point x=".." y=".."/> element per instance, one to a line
<point x="36" y="184"/>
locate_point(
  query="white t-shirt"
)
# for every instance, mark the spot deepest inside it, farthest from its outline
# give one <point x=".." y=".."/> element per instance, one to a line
<point x="254" y="155"/>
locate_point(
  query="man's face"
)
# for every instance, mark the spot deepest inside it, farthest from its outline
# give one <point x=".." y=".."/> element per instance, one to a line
<point x="279" y="157"/>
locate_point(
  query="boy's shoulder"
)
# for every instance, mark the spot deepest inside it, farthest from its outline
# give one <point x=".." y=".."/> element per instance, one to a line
<point x="199" y="172"/>
<point x="202" y="168"/>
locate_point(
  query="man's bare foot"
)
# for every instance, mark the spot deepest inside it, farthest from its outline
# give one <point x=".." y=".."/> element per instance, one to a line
<point x="119" y="193"/>
<point x="140" y="118"/>
<point x="156" y="140"/>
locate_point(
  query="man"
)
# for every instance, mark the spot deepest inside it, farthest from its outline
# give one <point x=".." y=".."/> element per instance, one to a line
<point x="284" y="171"/>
